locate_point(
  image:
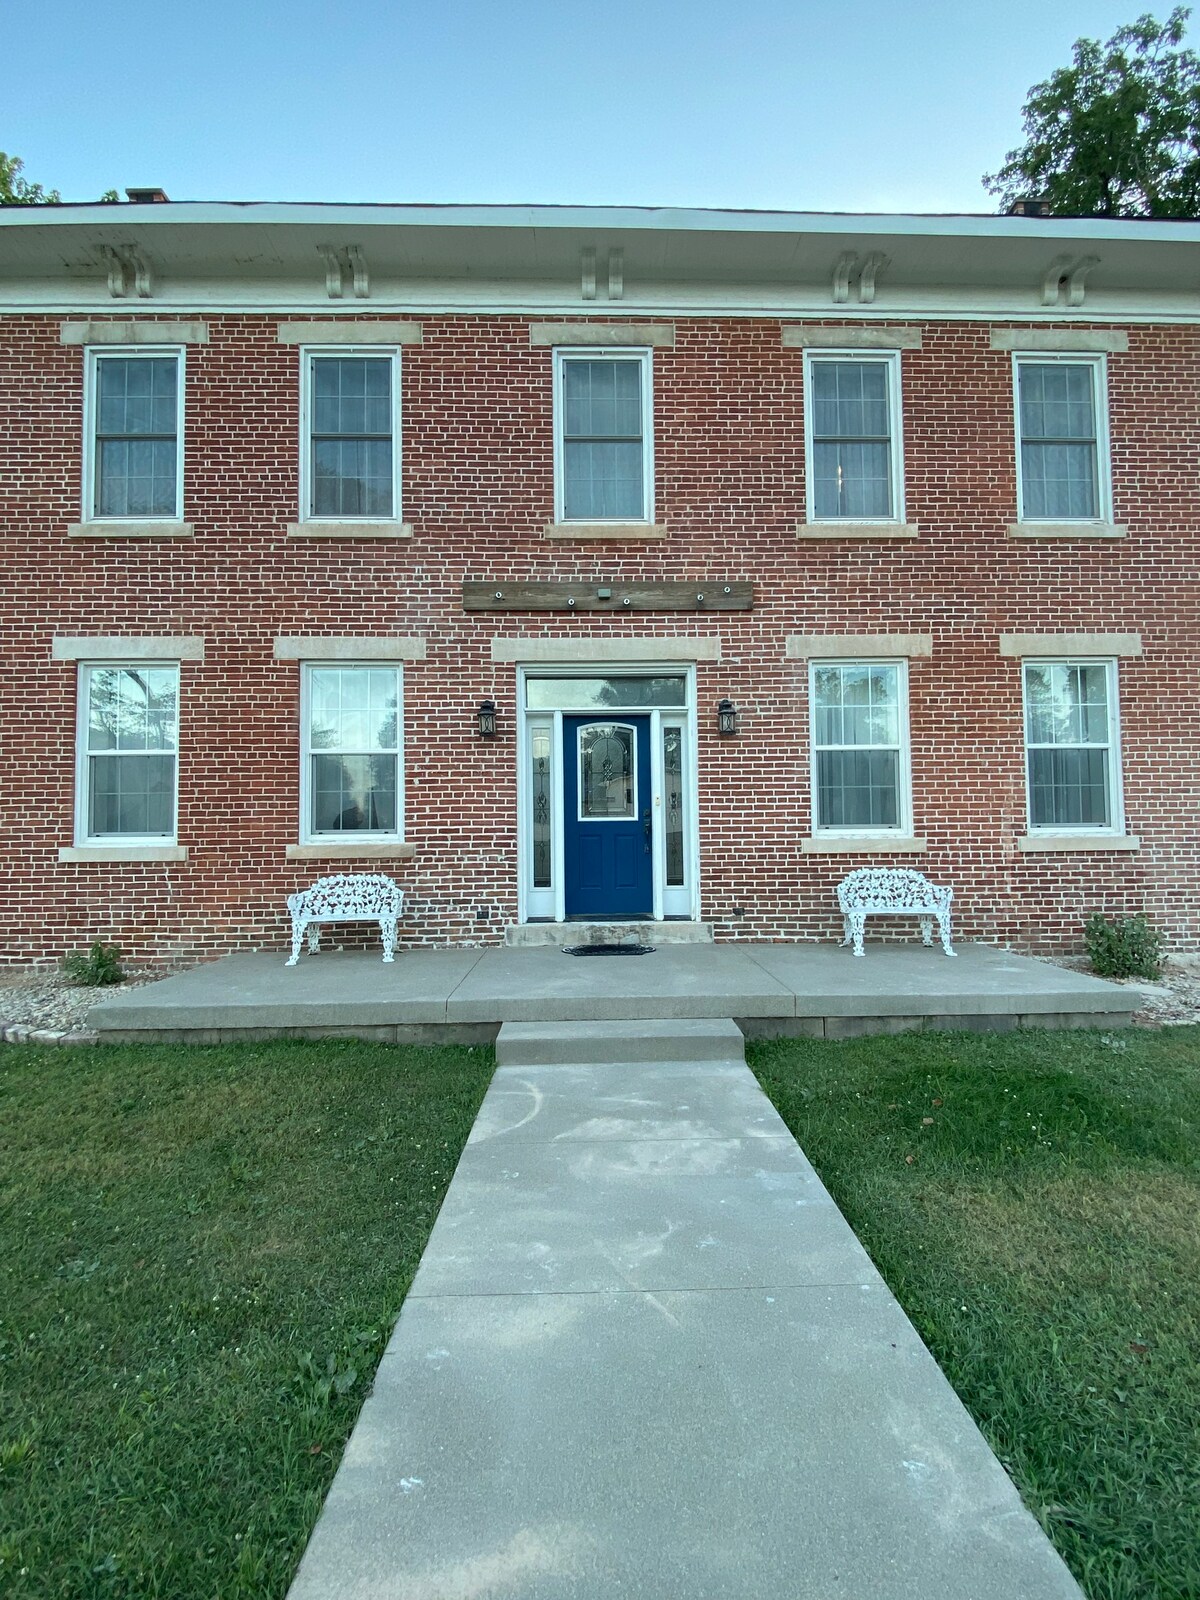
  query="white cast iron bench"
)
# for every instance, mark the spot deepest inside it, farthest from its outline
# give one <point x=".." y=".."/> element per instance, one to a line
<point x="346" y="897"/>
<point x="893" y="891"/>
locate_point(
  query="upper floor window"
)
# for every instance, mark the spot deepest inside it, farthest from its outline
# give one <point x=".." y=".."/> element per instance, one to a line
<point x="134" y="453"/>
<point x="604" y="453"/>
<point x="351" y="458"/>
<point x="853" y="445"/>
<point x="1062" y="439"/>
<point x="1071" y="745"/>
<point x="351" y="783"/>
<point x="128" y="754"/>
<point x="860" y="747"/>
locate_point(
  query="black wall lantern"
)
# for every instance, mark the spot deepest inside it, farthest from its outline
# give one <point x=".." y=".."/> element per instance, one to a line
<point x="729" y="719"/>
<point x="486" y="718"/>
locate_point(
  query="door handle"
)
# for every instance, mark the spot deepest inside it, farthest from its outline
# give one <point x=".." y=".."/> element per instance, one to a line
<point x="646" y="828"/>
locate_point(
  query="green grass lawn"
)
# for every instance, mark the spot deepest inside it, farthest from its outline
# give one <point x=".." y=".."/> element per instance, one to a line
<point x="202" y="1253"/>
<point x="1033" y="1200"/>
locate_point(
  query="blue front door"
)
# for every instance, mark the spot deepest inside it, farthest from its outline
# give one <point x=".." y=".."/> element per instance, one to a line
<point x="608" y="851"/>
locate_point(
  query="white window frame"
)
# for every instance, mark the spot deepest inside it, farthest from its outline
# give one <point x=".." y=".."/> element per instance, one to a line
<point x="891" y="359"/>
<point x="645" y="359"/>
<point x="310" y="354"/>
<point x="91" y="415"/>
<point x="83" y="837"/>
<point x="308" y="835"/>
<point x="1116" y="796"/>
<point x="903" y="826"/>
<point x="1098" y="365"/>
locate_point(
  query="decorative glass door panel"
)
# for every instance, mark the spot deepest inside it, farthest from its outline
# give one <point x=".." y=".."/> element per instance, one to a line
<point x="607" y="771"/>
<point x="607" y="820"/>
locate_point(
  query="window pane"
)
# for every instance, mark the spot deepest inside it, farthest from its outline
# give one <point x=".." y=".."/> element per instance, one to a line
<point x="132" y="709"/>
<point x="602" y="480"/>
<point x="850" y="400"/>
<point x="1069" y="788"/>
<point x="1058" y="480"/>
<point x="353" y="709"/>
<point x="600" y="694"/>
<point x="352" y="477"/>
<point x="852" y="480"/>
<point x="1057" y="401"/>
<point x="1066" y="704"/>
<point x="606" y="772"/>
<point x="135" y="478"/>
<point x="354" y="794"/>
<point x="131" y="794"/>
<point x="673" y="820"/>
<point x="352" y="395"/>
<point x="136" y="394"/>
<point x="858" y="788"/>
<point x="602" y="399"/>
<point x="539" y="755"/>
<point x="857" y="705"/>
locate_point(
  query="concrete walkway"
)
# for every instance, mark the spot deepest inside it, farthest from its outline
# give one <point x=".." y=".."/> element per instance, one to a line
<point x="644" y="1355"/>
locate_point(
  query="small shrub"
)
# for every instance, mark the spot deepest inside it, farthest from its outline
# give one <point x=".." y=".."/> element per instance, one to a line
<point x="1123" y="947"/>
<point x="99" y="965"/>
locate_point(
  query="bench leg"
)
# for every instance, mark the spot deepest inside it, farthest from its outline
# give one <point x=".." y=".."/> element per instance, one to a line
<point x="944" y="930"/>
<point x="927" y="930"/>
<point x="314" y="938"/>
<point x="297" y="941"/>
<point x="858" y="922"/>
<point x="846" y="934"/>
<point x="387" y="931"/>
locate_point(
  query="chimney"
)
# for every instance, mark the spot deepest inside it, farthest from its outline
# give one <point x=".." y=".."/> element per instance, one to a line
<point x="146" y="197"/>
<point x="1029" y="206"/>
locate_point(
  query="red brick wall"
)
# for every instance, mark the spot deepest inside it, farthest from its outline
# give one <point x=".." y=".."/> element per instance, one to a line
<point x="478" y="489"/>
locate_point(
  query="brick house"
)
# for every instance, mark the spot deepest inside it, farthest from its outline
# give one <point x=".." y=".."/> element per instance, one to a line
<point x="594" y="564"/>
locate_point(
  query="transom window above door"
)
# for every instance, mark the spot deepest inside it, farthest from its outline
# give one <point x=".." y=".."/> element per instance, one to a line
<point x="351" y="457"/>
<point x="603" y="447"/>
<point x="852" y="443"/>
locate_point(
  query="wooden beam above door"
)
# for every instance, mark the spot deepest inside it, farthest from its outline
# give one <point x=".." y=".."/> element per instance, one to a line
<point x="700" y="595"/>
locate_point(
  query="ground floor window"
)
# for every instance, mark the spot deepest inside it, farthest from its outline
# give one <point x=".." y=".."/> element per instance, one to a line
<point x="351" y="743"/>
<point x="860" y="746"/>
<point x="1071" y="746"/>
<point x="128" y="754"/>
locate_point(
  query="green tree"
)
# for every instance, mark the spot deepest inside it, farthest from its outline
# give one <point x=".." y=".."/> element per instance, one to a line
<point x="1117" y="133"/>
<point x="15" y="191"/>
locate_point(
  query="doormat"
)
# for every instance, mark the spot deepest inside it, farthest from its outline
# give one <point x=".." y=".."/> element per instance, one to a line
<point x="608" y="949"/>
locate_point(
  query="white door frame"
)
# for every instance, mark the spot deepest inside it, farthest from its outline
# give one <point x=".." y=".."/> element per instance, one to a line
<point x="549" y="904"/>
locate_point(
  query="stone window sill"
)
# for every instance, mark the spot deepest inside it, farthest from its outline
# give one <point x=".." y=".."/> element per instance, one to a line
<point x="861" y="844"/>
<point x="365" y="851"/>
<point x="627" y="532"/>
<point x="1078" y="841"/>
<point x="857" y="530"/>
<point x="1066" y="530"/>
<point x="349" y="530"/>
<point x="131" y="530"/>
<point x="124" y="852"/>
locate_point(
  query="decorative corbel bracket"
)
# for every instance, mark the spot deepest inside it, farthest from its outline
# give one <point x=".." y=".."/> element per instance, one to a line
<point x="862" y="271"/>
<point x="616" y="274"/>
<point x="1067" y="272"/>
<point x="345" y="268"/>
<point x="587" y="273"/>
<point x="128" y="271"/>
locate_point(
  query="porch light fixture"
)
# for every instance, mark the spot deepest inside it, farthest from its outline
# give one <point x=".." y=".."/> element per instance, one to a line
<point x="729" y="719"/>
<point x="485" y="717"/>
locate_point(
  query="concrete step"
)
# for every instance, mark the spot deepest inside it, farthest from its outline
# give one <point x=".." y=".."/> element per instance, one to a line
<point x="535" y="1044"/>
<point x="524" y="935"/>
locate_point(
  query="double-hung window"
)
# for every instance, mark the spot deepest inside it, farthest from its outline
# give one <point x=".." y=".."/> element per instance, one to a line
<point x="860" y="751"/>
<point x="1071" y="746"/>
<point x="351" y="447"/>
<point x="134" y="447"/>
<point x="128" y="754"/>
<point x="1062" y="439"/>
<point x="853" y="445"/>
<point x="351" y="783"/>
<point x="603" y="445"/>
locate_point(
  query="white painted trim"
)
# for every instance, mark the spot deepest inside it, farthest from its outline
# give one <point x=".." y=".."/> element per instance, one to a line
<point x="659" y="336"/>
<point x="131" y="530"/>
<point x="644" y="651"/>
<point x="92" y="360"/>
<point x="320" y="841"/>
<point x="1051" y="645"/>
<point x="1083" y="340"/>
<point x="857" y="646"/>
<point x="1098" y="364"/>
<point x="890" y="359"/>
<point x="852" y="337"/>
<point x="644" y="357"/>
<point x="350" y="331"/>
<point x="861" y="844"/>
<point x="1115" y="764"/>
<point x="155" y="843"/>
<point x="1027" y="842"/>
<point x="350" y="650"/>
<point x="133" y="333"/>
<point x="135" y="852"/>
<point x="308" y="355"/>
<point x="866" y="837"/>
<point x="123" y="647"/>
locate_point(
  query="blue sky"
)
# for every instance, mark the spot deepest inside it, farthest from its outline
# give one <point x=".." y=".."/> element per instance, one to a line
<point x="809" y="106"/>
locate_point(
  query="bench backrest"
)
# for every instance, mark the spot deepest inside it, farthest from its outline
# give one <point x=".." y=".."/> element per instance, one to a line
<point x="889" y="889"/>
<point x="350" y="895"/>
